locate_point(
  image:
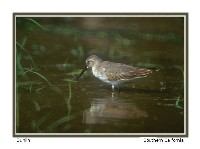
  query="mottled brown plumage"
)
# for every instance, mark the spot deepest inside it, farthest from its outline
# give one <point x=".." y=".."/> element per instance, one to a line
<point x="114" y="73"/>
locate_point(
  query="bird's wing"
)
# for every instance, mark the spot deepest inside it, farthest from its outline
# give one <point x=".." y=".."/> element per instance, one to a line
<point x="117" y="71"/>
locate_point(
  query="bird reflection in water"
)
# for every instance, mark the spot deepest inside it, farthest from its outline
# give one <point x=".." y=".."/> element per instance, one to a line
<point x="107" y="110"/>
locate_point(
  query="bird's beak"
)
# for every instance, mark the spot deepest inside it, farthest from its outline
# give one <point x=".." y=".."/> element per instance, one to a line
<point x="84" y="69"/>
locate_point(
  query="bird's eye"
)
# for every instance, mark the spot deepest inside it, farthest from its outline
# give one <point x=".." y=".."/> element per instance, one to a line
<point x="89" y="62"/>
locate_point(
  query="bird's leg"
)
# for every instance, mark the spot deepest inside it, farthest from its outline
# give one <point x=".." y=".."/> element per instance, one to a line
<point x="113" y="91"/>
<point x="113" y="88"/>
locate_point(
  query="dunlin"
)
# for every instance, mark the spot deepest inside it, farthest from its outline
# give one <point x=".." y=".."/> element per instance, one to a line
<point x="114" y="73"/>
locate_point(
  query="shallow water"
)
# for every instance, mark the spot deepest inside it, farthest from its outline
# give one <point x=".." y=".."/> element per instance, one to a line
<point x="49" y="100"/>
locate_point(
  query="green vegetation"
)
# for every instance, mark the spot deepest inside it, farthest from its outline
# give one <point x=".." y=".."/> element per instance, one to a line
<point x="77" y="32"/>
<point x="25" y="79"/>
